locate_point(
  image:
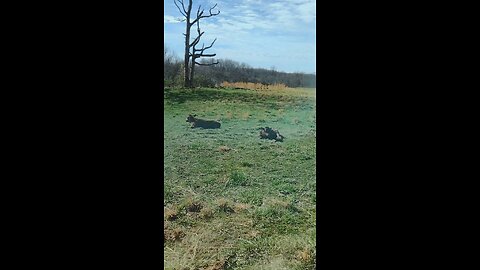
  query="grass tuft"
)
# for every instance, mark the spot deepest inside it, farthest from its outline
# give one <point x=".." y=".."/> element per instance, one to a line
<point x="170" y="214"/>
<point x="225" y="205"/>
<point x="237" y="179"/>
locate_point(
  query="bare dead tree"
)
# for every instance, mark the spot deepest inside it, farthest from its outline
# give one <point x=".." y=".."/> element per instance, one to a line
<point x="191" y="52"/>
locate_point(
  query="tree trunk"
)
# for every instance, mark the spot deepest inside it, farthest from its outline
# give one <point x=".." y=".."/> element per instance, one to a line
<point x="192" y="68"/>
<point x="189" y="67"/>
<point x="187" y="78"/>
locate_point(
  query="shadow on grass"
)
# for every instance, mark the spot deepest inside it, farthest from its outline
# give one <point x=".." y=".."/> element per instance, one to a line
<point x="179" y="95"/>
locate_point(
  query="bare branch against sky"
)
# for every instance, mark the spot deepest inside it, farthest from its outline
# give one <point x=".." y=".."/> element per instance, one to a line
<point x="278" y="33"/>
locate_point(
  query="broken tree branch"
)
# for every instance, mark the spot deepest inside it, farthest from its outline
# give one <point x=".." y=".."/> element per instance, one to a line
<point x="197" y="55"/>
<point x="207" y="64"/>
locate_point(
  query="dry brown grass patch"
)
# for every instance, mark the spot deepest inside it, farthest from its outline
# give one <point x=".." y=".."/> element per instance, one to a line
<point x="206" y="213"/>
<point x="253" y="234"/>
<point x="224" y="148"/>
<point x="254" y="86"/>
<point x="193" y="206"/>
<point x="174" y="234"/>
<point x="219" y="265"/>
<point x="305" y="255"/>
<point x="239" y="207"/>
<point x="245" y="116"/>
<point x="170" y="214"/>
<point x="225" y="205"/>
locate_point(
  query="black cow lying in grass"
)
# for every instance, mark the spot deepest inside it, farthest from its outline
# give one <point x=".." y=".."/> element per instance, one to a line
<point x="202" y="123"/>
<point x="271" y="134"/>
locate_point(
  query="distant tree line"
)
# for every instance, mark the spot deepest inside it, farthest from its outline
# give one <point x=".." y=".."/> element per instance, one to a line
<point x="230" y="71"/>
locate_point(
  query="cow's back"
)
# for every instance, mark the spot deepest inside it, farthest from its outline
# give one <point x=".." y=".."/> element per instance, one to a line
<point x="207" y="123"/>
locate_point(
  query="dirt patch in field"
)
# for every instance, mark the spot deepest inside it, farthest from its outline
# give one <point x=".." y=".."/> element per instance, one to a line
<point x="307" y="256"/>
<point x="253" y="234"/>
<point x="194" y="207"/>
<point x="224" y="148"/>
<point x="304" y="255"/>
<point x="240" y="207"/>
<point x="225" y="205"/>
<point x="219" y="265"/>
<point x="172" y="234"/>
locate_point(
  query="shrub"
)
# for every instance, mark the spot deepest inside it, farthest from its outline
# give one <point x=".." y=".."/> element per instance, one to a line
<point x="203" y="81"/>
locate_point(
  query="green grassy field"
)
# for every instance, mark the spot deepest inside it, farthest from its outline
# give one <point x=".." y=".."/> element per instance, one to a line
<point x="232" y="200"/>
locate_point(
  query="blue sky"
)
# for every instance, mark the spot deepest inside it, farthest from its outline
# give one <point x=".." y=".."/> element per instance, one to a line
<point x="260" y="33"/>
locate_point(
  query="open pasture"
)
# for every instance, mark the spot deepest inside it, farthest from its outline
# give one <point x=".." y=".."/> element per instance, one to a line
<point x="232" y="200"/>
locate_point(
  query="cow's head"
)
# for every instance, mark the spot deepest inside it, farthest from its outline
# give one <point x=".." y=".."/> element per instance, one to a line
<point x="191" y="118"/>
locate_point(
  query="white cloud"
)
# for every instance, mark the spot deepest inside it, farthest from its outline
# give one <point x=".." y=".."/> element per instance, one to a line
<point x="171" y="19"/>
<point x="279" y="33"/>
